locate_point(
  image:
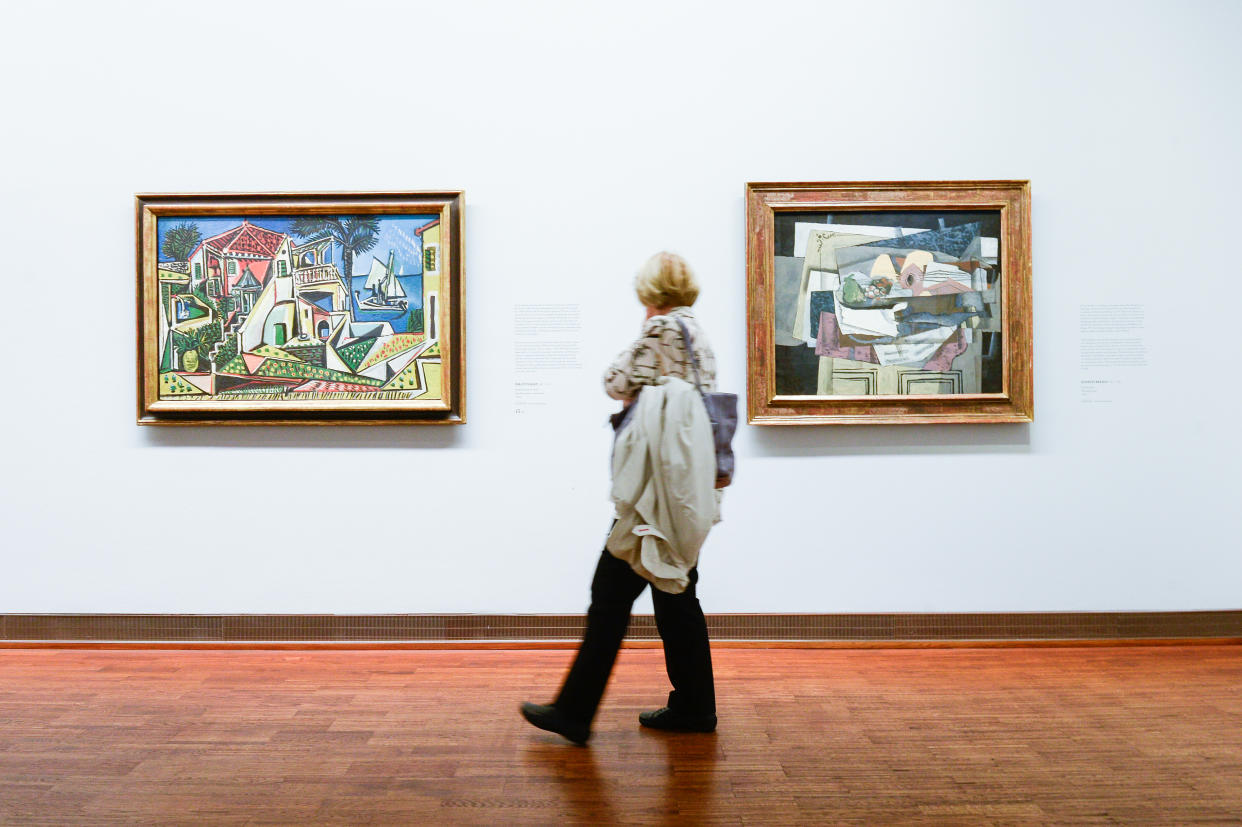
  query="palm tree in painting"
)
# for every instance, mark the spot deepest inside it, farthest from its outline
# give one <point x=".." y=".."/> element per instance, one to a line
<point x="180" y="240"/>
<point x="355" y="234"/>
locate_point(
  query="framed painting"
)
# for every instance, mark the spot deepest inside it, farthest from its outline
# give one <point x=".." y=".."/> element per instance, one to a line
<point x="301" y="308"/>
<point x="889" y="303"/>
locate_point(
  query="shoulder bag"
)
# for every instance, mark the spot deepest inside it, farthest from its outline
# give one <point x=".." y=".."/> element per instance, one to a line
<point x="721" y="410"/>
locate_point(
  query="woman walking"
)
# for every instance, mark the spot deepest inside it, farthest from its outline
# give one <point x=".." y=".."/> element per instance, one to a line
<point x="664" y="488"/>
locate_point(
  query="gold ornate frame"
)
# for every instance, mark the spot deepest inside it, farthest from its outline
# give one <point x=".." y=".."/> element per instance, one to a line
<point x="450" y="409"/>
<point x="1015" y="401"/>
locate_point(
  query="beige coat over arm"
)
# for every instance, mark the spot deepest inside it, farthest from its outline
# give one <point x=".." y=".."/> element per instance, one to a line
<point x="664" y="484"/>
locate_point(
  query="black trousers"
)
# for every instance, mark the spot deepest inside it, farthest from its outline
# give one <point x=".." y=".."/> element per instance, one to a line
<point x="679" y="619"/>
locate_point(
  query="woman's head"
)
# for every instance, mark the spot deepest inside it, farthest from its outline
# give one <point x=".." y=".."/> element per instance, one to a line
<point x="665" y="281"/>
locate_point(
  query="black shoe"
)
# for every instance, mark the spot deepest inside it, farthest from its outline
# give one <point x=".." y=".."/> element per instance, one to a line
<point x="674" y="721"/>
<point x="553" y="720"/>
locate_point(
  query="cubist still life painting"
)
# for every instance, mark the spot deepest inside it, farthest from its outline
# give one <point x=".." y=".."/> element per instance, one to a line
<point x="888" y="303"/>
<point x="876" y="303"/>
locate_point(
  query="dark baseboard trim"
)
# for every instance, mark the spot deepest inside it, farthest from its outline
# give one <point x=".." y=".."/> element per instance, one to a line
<point x="496" y="630"/>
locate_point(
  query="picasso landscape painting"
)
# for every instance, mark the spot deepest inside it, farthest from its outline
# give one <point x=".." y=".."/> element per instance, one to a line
<point x="865" y="304"/>
<point x="270" y="314"/>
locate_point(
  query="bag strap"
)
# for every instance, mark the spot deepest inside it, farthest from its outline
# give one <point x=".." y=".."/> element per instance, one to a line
<point x="694" y="359"/>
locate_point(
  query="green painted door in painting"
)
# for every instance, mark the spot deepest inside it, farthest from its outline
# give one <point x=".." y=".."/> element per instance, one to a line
<point x="280" y="335"/>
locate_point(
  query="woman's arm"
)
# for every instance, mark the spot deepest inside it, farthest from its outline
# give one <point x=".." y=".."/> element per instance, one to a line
<point x="639" y="364"/>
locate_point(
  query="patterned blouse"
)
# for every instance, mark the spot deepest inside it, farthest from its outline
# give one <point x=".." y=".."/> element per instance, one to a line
<point x="659" y="351"/>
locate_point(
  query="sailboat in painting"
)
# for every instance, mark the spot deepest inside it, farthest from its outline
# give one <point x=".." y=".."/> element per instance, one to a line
<point x="385" y="287"/>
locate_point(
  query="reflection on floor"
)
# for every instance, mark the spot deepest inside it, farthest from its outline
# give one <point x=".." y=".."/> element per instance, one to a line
<point x="864" y="736"/>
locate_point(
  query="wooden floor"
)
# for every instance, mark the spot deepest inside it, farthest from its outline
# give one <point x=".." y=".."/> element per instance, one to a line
<point x="1092" y="735"/>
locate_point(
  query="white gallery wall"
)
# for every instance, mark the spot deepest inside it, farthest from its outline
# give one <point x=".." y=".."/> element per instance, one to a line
<point x="586" y="137"/>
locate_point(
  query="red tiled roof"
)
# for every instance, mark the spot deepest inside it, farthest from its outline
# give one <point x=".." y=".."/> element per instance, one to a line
<point x="248" y="238"/>
<point x="420" y="230"/>
<point x="219" y="242"/>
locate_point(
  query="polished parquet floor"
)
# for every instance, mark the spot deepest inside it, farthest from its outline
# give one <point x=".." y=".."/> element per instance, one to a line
<point x="1090" y="735"/>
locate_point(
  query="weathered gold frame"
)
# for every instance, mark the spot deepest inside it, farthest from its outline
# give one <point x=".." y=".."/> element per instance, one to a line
<point x="450" y="410"/>
<point x="1013" y="404"/>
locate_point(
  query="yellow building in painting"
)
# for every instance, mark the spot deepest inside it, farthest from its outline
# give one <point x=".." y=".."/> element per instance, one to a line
<point x="430" y="235"/>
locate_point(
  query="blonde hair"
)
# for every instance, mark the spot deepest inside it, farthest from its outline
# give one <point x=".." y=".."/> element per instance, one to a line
<point x="665" y="280"/>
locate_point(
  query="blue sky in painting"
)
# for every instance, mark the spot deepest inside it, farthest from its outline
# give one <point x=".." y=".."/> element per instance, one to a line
<point x="396" y="234"/>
